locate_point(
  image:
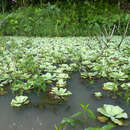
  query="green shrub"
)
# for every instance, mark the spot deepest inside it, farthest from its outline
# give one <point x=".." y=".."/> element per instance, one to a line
<point x="62" y="19"/>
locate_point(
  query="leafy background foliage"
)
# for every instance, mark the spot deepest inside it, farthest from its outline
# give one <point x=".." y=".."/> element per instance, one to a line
<point x="60" y="18"/>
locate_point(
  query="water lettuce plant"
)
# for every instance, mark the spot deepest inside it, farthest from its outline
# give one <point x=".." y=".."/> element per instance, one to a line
<point x="110" y="86"/>
<point x="19" y="101"/>
<point x="61" y="91"/>
<point x="115" y="113"/>
<point x="126" y="85"/>
<point x="61" y="83"/>
<point x="98" y="94"/>
<point x="48" y="77"/>
<point x="28" y="64"/>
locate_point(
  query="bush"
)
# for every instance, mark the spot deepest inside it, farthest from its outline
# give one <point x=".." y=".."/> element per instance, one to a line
<point x="62" y="19"/>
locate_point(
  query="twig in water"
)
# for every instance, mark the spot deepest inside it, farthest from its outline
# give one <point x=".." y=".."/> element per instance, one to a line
<point x="124" y="35"/>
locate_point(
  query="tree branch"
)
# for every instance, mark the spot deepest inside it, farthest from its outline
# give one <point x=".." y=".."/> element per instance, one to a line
<point x="124" y="35"/>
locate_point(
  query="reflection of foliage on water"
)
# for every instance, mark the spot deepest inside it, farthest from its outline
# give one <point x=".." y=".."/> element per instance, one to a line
<point x="3" y="92"/>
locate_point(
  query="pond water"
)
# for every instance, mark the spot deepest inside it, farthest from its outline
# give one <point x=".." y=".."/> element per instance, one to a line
<point x="33" y="118"/>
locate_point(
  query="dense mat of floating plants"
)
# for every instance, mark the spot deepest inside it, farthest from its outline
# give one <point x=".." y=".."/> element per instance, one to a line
<point x="45" y="64"/>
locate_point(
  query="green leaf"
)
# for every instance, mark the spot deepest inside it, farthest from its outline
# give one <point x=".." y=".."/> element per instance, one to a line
<point x="61" y="91"/>
<point x="113" y="112"/>
<point x="85" y="108"/>
<point x="76" y="114"/>
<point x="68" y="120"/>
<point x="116" y="121"/>
<point x="108" y="127"/>
<point x="19" y="101"/>
<point x="43" y="87"/>
<point x="110" y="86"/>
<point x="58" y="128"/>
<point x="90" y="128"/>
<point x="129" y="77"/>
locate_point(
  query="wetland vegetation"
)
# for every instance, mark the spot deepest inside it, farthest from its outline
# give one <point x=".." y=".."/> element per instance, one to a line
<point x="64" y="65"/>
<point x="44" y="66"/>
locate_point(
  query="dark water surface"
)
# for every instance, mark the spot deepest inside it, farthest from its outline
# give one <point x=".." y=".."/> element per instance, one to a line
<point x="33" y="118"/>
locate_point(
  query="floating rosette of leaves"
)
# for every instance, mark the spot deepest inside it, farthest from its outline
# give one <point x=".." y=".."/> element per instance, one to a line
<point x="65" y="67"/>
<point x="113" y="112"/>
<point x="125" y="85"/>
<point x="118" y="76"/>
<point x="48" y="77"/>
<point x="48" y="67"/>
<point x="19" y="101"/>
<point x="61" y="83"/>
<point x="59" y="71"/>
<point x="62" y="76"/>
<point x="98" y="94"/>
<point x="3" y="83"/>
<point x="61" y="91"/>
<point x="86" y="74"/>
<point x="73" y="66"/>
<point x="110" y="86"/>
<point x="19" y="85"/>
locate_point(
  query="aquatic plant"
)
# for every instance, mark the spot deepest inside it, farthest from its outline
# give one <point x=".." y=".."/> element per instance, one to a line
<point x="37" y="64"/>
<point x="65" y="67"/>
<point x="90" y="113"/>
<point x="61" y="83"/>
<point x="125" y="85"/>
<point x="98" y="94"/>
<point x="19" y="101"/>
<point x="113" y="112"/>
<point x="62" y="76"/>
<point x="110" y="86"/>
<point x="61" y="91"/>
<point x="76" y="118"/>
<point x="48" y="77"/>
<point x="106" y="127"/>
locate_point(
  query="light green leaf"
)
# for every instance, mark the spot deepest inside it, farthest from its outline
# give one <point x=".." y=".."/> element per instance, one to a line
<point x="113" y="112"/>
<point x="19" y="101"/>
<point x="110" y="86"/>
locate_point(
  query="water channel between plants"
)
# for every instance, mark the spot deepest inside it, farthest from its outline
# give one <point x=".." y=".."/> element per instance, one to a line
<point x="44" y="118"/>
